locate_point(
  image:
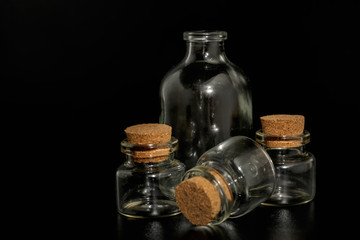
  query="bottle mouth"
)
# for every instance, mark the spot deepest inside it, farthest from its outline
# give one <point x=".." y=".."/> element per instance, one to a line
<point x="204" y="196"/>
<point x="145" y="153"/>
<point x="205" y="36"/>
<point x="282" y="141"/>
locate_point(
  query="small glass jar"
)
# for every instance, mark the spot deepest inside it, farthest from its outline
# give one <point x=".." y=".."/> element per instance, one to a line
<point x="294" y="167"/>
<point x="145" y="188"/>
<point x="229" y="180"/>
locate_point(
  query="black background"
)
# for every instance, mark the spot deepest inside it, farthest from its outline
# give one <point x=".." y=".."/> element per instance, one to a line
<point x="75" y="74"/>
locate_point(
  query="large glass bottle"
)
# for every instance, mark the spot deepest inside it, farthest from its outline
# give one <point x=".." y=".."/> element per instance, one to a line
<point x="205" y="98"/>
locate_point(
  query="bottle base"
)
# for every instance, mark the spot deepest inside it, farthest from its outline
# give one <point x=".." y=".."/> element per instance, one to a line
<point x="290" y="199"/>
<point x="279" y="204"/>
<point x="149" y="209"/>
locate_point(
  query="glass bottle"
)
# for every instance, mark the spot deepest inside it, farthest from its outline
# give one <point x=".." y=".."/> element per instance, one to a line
<point x="205" y="98"/>
<point x="229" y="180"/>
<point x="146" y="188"/>
<point x="294" y="167"/>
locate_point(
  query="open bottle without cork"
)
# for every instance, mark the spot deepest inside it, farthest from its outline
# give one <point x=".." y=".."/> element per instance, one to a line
<point x="205" y="98"/>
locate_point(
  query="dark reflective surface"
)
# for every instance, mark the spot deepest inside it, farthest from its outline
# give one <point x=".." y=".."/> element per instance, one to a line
<point x="297" y="222"/>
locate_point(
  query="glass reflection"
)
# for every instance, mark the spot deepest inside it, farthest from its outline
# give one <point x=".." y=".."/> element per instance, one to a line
<point x="292" y="223"/>
<point x="176" y="227"/>
<point x="278" y="223"/>
<point x="275" y="223"/>
<point x="225" y="230"/>
<point x="152" y="229"/>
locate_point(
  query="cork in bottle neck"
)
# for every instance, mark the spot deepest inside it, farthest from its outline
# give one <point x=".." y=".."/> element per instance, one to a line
<point x="282" y="131"/>
<point x="204" y="198"/>
<point x="149" y="143"/>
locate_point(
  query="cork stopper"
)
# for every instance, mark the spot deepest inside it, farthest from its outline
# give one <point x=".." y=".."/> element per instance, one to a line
<point x="198" y="200"/>
<point x="149" y="134"/>
<point x="280" y="125"/>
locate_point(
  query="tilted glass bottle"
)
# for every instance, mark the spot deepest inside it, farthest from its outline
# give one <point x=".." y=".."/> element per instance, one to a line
<point x="205" y="98"/>
<point x="229" y="180"/>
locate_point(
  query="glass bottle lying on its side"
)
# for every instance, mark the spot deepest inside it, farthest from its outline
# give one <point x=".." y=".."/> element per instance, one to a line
<point x="229" y="180"/>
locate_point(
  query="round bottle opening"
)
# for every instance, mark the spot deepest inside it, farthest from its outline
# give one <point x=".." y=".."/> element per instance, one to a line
<point x="274" y="141"/>
<point x="204" y="35"/>
<point x="146" y="153"/>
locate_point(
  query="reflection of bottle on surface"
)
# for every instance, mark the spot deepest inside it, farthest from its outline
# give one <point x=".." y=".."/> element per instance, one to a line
<point x="205" y="98"/>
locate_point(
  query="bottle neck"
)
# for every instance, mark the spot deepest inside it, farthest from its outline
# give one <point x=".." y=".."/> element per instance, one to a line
<point x="222" y="186"/>
<point x="205" y="46"/>
<point x="284" y="146"/>
<point x="149" y="153"/>
<point x="153" y="162"/>
<point x="211" y="52"/>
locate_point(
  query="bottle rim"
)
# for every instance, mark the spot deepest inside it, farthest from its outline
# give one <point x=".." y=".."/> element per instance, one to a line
<point x="127" y="146"/>
<point x="215" y="179"/>
<point x="149" y="152"/>
<point x="301" y="139"/>
<point x="205" y="35"/>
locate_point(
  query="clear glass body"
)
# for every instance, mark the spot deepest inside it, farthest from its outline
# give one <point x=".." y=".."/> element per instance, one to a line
<point x="205" y="98"/>
<point x="295" y="170"/>
<point x="147" y="189"/>
<point x="246" y="171"/>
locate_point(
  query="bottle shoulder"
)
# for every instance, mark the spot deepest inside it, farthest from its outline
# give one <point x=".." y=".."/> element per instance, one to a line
<point x="168" y="165"/>
<point x="201" y="73"/>
<point x="296" y="159"/>
<point x="206" y="67"/>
